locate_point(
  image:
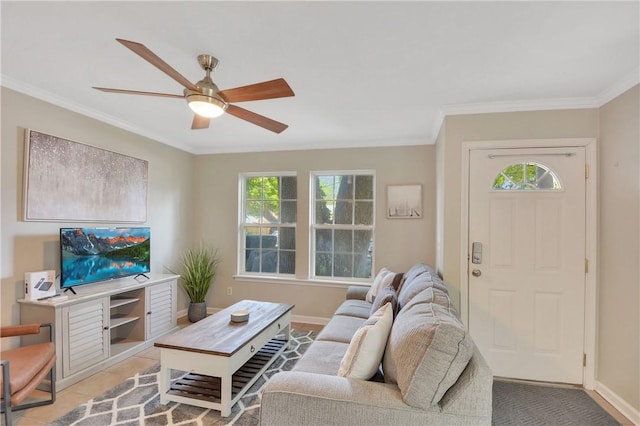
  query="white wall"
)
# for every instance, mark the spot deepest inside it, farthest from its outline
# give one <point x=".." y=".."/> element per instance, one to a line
<point x="400" y="243"/>
<point x="618" y="367"/>
<point x="34" y="246"/>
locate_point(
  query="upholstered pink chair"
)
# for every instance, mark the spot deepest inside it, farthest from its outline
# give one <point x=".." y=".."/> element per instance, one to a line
<point x="24" y="368"/>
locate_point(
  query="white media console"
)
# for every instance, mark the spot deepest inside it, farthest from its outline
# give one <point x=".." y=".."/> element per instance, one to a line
<point x="104" y="323"/>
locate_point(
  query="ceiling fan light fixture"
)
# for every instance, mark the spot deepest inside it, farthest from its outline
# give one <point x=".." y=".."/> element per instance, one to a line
<point x="206" y="106"/>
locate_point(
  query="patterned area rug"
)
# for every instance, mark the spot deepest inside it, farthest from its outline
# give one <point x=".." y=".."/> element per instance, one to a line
<point x="137" y="401"/>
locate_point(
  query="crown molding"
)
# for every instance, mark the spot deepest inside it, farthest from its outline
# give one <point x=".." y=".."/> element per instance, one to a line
<point x="61" y="102"/>
<point x="619" y="87"/>
<point x="518" y="106"/>
<point x="616" y="89"/>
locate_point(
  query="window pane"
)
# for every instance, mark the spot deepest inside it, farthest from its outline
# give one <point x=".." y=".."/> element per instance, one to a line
<point x="289" y="188"/>
<point x="362" y="241"/>
<point x="344" y="213"/>
<point x="270" y="188"/>
<point x="324" y="211"/>
<point x="364" y="188"/>
<point x="343" y="265"/>
<point x="364" y="213"/>
<point x="323" y="264"/>
<point x="254" y="212"/>
<point x="288" y="211"/>
<point x="269" y="261"/>
<point x="271" y="212"/>
<point x="362" y="266"/>
<point x="324" y="240"/>
<point x="253" y="187"/>
<point x="287" y="238"/>
<point x="343" y="241"/>
<point x="324" y="188"/>
<point x="344" y="187"/>
<point x="269" y="238"/>
<point x="287" y="262"/>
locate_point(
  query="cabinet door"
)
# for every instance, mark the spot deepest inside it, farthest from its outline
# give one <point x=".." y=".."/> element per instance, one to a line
<point x="161" y="309"/>
<point x="85" y="335"/>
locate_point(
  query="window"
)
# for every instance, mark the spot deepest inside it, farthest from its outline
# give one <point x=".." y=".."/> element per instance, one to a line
<point x="342" y="223"/>
<point x="526" y="176"/>
<point x="268" y="224"/>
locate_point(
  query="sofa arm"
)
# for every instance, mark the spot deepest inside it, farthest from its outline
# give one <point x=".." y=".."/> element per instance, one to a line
<point x="357" y="292"/>
<point x="299" y="398"/>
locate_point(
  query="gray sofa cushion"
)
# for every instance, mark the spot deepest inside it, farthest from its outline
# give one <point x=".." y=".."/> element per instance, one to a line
<point x="322" y="357"/>
<point x="386" y="295"/>
<point x="418" y="283"/>
<point x="341" y="328"/>
<point x="354" y="308"/>
<point x="427" y="350"/>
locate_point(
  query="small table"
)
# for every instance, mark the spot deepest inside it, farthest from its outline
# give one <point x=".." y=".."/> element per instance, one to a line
<point x="223" y="358"/>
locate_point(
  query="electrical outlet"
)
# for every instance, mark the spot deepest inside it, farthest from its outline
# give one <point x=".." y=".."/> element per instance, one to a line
<point x="229" y="291"/>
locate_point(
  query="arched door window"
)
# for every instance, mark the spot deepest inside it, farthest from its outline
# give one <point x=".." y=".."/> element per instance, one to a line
<point x="525" y="177"/>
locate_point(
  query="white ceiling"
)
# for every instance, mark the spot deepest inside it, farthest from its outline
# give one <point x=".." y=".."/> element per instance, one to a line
<point x="364" y="73"/>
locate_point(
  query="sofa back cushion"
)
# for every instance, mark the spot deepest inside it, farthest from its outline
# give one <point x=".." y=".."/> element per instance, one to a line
<point x="386" y="295"/>
<point x="418" y="283"/>
<point x="427" y="350"/>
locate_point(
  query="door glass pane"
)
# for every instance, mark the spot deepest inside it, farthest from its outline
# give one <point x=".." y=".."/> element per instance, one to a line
<point x="526" y="177"/>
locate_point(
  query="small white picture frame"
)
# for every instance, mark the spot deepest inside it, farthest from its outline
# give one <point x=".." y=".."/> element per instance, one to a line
<point x="404" y="201"/>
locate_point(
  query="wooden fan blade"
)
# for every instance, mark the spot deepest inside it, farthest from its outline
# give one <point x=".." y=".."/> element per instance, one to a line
<point x="257" y="119"/>
<point x="137" y="92"/>
<point x="277" y="88"/>
<point x="146" y="54"/>
<point x="200" y="122"/>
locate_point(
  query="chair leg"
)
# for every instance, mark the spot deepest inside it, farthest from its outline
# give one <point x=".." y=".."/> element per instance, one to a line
<point x="6" y="393"/>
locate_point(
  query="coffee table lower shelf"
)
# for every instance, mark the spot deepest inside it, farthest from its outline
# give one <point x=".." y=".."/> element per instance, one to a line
<point x="208" y="388"/>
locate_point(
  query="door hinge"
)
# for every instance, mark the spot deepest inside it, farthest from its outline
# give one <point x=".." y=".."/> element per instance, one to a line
<point x="586" y="266"/>
<point x="584" y="360"/>
<point x="586" y="171"/>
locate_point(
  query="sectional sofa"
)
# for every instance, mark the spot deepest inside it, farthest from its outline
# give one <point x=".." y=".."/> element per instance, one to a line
<point x="430" y="371"/>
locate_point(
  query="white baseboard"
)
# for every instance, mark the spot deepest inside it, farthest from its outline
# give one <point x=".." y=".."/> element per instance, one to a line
<point x="309" y="320"/>
<point x="620" y="404"/>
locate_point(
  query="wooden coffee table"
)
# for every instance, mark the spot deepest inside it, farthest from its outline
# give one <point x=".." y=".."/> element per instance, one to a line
<point x="223" y="358"/>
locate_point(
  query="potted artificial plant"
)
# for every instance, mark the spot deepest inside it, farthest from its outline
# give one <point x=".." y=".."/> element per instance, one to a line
<point x="199" y="268"/>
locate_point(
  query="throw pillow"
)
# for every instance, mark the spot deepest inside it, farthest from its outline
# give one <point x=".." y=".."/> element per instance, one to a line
<point x="383" y="279"/>
<point x="386" y="295"/>
<point x="363" y="357"/>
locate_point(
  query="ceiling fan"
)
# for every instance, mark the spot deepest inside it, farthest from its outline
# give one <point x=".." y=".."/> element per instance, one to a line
<point x="204" y="97"/>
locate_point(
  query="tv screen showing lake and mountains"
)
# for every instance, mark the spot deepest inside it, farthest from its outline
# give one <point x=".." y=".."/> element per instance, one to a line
<point x="99" y="254"/>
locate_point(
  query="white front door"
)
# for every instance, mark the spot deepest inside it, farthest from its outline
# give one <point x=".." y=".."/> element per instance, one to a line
<point x="527" y="272"/>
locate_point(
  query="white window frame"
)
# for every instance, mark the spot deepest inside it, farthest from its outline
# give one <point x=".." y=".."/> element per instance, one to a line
<point x="241" y="264"/>
<point x="313" y="226"/>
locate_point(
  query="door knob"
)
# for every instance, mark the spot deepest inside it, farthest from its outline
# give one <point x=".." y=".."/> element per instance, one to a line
<point x="476" y="272"/>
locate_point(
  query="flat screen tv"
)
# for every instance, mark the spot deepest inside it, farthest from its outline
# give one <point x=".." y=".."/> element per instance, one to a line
<point x="90" y="255"/>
